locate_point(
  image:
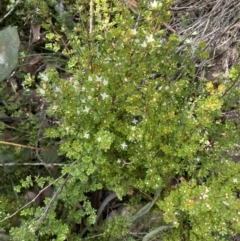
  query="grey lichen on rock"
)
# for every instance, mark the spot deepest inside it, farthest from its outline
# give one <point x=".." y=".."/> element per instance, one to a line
<point x="9" y="45"/>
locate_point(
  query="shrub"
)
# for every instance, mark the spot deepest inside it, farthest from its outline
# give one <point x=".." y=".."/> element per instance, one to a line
<point x="130" y="116"/>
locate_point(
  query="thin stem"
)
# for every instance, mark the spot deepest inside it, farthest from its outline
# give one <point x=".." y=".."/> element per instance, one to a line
<point x="91" y="20"/>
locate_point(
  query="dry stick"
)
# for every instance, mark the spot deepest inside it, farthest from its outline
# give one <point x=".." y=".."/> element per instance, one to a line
<point x="132" y="4"/>
<point x="167" y="26"/>
<point x="234" y="82"/>
<point x="55" y="195"/>
<point x="24" y="146"/>
<point x="205" y="27"/>
<point x="138" y="20"/>
<point x="145" y="194"/>
<point x="33" y="164"/>
<point x="187" y="9"/>
<point x="62" y="39"/>
<point x="91" y="16"/>
<point x="9" y="12"/>
<point x="43" y="117"/>
<point x="33" y="200"/>
<point x="220" y="11"/>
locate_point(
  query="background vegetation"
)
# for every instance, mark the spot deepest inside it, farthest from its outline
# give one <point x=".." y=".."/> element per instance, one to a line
<point x="115" y="126"/>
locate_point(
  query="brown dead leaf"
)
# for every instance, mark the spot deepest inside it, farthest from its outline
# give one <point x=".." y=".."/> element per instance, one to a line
<point x="47" y="192"/>
<point x="35" y="32"/>
<point x="30" y="196"/>
<point x="33" y="64"/>
<point x="132" y="4"/>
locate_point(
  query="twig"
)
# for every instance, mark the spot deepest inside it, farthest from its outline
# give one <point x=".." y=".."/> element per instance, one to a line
<point x="55" y="195"/>
<point x="138" y="20"/>
<point x="33" y="164"/>
<point x="132" y="4"/>
<point x="33" y="200"/>
<point x="215" y="23"/>
<point x="9" y="12"/>
<point x="24" y="146"/>
<point x="39" y="136"/>
<point x="232" y="85"/>
<point x="144" y="193"/>
<point x="126" y="163"/>
<point x="91" y="19"/>
<point x="169" y="28"/>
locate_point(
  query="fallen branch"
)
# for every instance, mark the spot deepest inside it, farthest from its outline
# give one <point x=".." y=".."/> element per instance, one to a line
<point x="37" y="196"/>
<point x="33" y="164"/>
<point x="9" y="12"/>
<point x="25" y="146"/>
<point x="54" y="197"/>
<point x="32" y="201"/>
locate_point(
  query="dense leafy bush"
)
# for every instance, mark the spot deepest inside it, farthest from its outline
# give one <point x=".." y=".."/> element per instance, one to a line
<point x="128" y="115"/>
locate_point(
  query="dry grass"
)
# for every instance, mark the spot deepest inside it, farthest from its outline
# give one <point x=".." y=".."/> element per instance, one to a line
<point x="215" y="22"/>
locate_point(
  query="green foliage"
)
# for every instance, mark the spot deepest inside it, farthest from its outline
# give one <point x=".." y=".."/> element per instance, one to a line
<point x="129" y="116"/>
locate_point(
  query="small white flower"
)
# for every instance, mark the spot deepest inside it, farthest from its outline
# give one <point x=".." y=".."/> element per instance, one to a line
<point x="134" y="121"/>
<point x="133" y="128"/>
<point x="204" y="196"/>
<point x="67" y="129"/>
<point x="124" y="145"/>
<point x="86" y="109"/>
<point x="83" y="100"/>
<point x="90" y="78"/>
<point x="235" y="180"/>
<point x="42" y="91"/>
<point x="43" y="77"/>
<point x="58" y="90"/>
<point x="150" y="38"/>
<point x="119" y="161"/>
<point x="155" y="5"/>
<point x="144" y="44"/>
<point x="105" y="82"/>
<point x="89" y="97"/>
<point x="104" y="96"/>
<point x="226" y="203"/>
<point x="99" y="139"/>
<point x="208" y="206"/>
<point x="55" y="107"/>
<point x="86" y="135"/>
<point x="108" y="59"/>
<point x="133" y="31"/>
<point x="130" y="139"/>
<point x="98" y="79"/>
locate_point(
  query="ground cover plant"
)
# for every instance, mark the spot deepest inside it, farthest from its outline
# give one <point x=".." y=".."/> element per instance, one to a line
<point x="117" y="117"/>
